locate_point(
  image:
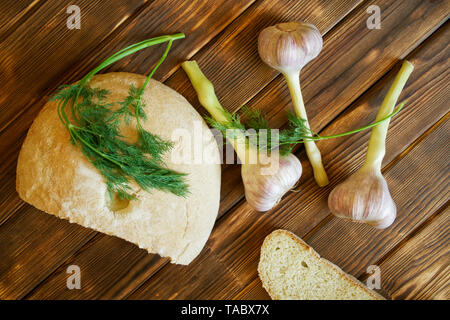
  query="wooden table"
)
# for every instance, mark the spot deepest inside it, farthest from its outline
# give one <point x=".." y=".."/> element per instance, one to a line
<point x="343" y="89"/>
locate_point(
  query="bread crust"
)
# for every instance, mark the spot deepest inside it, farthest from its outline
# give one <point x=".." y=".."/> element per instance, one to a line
<point x="55" y="177"/>
<point x="352" y="280"/>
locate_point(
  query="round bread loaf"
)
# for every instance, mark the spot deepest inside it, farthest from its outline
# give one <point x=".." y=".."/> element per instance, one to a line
<point x="55" y="177"/>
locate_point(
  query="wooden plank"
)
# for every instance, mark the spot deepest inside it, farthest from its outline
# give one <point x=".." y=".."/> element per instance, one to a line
<point x="9" y="199"/>
<point x="141" y="274"/>
<point x="341" y="242"/>
<point x="419" y="184"/>
<point x="237" y="237"/>
<point x="13" y="136"/>
<point x="332" y="81"/>
<point x="200" y="21"/>
<point x="103" y="266"/>
<point x="232" y="62"/>
<point x="421" y="268"/>
<point x="253" y="291"/>
<point x="53" y="48"/>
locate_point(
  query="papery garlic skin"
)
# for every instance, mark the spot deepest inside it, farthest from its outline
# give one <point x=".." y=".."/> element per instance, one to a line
<point x="266" y="184"/>
<point x="296" y="44"/>
<point x="364" y="197"/>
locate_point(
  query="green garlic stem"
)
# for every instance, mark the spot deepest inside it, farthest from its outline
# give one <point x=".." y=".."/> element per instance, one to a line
<point x="377" y="143"/>
<point x="130" y="50"/>
<point x="293" y="81"/>
<point x="208" y="99"/>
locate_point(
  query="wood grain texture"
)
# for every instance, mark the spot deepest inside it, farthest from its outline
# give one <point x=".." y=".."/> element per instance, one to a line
<point x="35" y="248"/>
<point x="232" y="62"/>
<point x="419" y="185"/>
<point x="13" y="13"/>
<point x="100" y="268"/>
<point x="237" y="237"/>
<point x="142" y="271"/>
<point x="253" y="291"/>
<point x="207" y="277"/>
<point x="21" y="258"/>
<point x="421" y="268"/>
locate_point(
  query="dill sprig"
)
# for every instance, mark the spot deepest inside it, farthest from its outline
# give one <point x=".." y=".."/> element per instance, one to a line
<point x="94" y="128"/>
<point x="259" y="134"/>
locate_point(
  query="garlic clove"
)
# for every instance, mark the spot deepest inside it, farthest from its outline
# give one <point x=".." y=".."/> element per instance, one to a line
<point x="265" y="184"/>
<point x="364" y="197"/>
<point x="288" y="47"/>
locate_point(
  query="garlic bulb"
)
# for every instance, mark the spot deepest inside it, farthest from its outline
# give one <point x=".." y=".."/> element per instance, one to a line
<point x="263" y="190"/>
<point x="266" y="177"/>
<point x="365" y="197"/>
<point x="288" y="47"/>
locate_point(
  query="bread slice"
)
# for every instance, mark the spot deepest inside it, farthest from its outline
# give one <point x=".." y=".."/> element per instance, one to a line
<point x="291" y="270"/>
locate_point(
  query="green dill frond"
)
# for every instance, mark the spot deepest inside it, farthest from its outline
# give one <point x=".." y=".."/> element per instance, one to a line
<point x="94" y="129"/>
